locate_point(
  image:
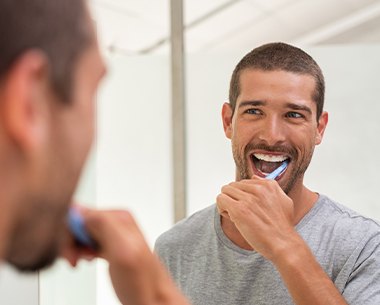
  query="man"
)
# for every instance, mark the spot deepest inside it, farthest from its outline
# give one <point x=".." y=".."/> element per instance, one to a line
<point x="50" y="67"/>
<point x="274" y="241"/>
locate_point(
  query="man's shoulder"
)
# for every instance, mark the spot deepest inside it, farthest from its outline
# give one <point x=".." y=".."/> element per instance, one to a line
<point x="343" y="221"/>
<point x="187" y="229"/>
<point x="346" y="215"/>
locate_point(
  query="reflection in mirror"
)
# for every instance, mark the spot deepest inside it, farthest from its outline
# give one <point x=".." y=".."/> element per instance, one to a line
<point x="131" y="164"/>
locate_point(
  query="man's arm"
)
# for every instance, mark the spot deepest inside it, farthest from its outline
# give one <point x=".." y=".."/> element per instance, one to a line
<point x="263" y="214"/>
<point x="136" y="273"/>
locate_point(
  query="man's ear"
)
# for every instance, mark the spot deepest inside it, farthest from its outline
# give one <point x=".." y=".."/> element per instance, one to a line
<point x="227" y="114"/>
<point x="322" y="123"/>
<point x="24" y="107"/>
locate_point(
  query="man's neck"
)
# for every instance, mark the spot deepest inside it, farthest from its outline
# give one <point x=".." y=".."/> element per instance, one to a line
<point x="5" y="228"/>
<point x="8" y="208"/>
<point x="303" y="200"/>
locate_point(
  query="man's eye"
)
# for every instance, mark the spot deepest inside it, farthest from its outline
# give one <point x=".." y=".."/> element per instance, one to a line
<point x="294" y="115"/>
<point x="253" y="111"/>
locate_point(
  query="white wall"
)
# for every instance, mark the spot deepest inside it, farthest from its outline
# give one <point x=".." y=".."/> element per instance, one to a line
<point x="134" y="151"/>
<point x="17" y="288"/>
<point x="346" y="164"/>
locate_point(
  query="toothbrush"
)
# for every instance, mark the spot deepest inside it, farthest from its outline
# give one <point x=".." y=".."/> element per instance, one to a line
<point x="273" y="175"/>
<point x="77" y="228"/>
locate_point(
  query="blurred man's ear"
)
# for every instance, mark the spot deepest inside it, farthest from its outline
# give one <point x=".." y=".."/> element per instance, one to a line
<point x="227" y="119"/>
<point x="24" y="107"/>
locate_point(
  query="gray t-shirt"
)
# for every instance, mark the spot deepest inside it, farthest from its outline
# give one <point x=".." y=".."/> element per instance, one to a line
<point x="211" y="270"/>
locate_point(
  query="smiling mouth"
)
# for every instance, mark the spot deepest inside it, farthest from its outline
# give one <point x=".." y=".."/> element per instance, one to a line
<point x="264" y="164"/>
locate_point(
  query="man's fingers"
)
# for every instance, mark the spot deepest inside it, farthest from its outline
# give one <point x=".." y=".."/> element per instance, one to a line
<point x="72" y="252"/>
<point x="99" y="223"/>
<point x="226" y="205"/>
<point x="233" y="191"/>
<point x="119" y="238"/>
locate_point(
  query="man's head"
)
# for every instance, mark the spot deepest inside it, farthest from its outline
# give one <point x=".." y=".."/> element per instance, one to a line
<point x="280" y="57"/>
<point x="275" y="112"/>
<point x="50" y="67"/>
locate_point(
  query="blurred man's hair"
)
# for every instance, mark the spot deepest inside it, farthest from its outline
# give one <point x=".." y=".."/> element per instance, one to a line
<point x="58" y="28"/>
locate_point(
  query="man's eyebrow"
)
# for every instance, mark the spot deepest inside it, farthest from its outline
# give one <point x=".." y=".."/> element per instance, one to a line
<point x="294" y="106"/>
<point x="252" y="103"/>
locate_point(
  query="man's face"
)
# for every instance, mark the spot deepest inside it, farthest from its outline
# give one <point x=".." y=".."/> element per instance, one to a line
<point x="274" y="120"/>
<point x="40" y="225"/>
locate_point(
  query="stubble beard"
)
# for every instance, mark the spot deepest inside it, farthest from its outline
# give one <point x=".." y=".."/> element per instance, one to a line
<point x="43" y="262"/>
<point x="45" y="257"/>
<point x="36" y="240"/>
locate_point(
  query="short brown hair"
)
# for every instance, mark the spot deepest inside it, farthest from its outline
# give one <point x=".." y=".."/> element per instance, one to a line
<point x="280" y="56"/>
<point x="59" y="28"/>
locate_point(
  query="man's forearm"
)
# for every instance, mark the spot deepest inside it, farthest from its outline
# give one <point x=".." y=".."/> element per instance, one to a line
<point x="305" y="279"/>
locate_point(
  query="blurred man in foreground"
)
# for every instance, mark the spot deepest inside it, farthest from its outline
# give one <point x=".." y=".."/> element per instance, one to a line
<point x="50" y="68"/>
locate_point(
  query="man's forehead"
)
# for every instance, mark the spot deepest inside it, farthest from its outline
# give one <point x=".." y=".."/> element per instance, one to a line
<point x="274" y="75"/>
<point x="268" y="88"/>
<point x="283" y="82"/>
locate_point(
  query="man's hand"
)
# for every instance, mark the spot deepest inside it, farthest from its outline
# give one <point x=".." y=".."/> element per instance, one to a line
<point x="136" y="273"/>
<point x="262" y="213"/>
<point x="264" y="216"/>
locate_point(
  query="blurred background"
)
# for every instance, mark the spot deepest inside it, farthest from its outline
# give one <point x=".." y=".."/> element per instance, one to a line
<point x="143" y="27"/>
<point x="134" y="161"/>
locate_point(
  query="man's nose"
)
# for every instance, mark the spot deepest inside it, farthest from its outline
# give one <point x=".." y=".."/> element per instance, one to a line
<point x="272" y="131"/>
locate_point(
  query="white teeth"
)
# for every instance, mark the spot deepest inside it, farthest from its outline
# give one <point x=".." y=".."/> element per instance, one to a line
<point x="270" y="158"/>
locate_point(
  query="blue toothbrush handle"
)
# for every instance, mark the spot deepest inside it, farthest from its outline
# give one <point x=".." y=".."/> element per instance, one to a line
<point x="77" y="228"/>
<point x="273" y="175"/>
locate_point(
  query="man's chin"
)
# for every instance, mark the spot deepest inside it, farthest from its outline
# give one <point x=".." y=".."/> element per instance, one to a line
<point x="42" y="262"/>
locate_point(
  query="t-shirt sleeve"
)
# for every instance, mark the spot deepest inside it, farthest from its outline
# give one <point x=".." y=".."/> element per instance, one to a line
<point x="363" y="285"/>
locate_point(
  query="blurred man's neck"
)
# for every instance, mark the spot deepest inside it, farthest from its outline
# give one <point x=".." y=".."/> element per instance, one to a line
<point x="5" y="228"/>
